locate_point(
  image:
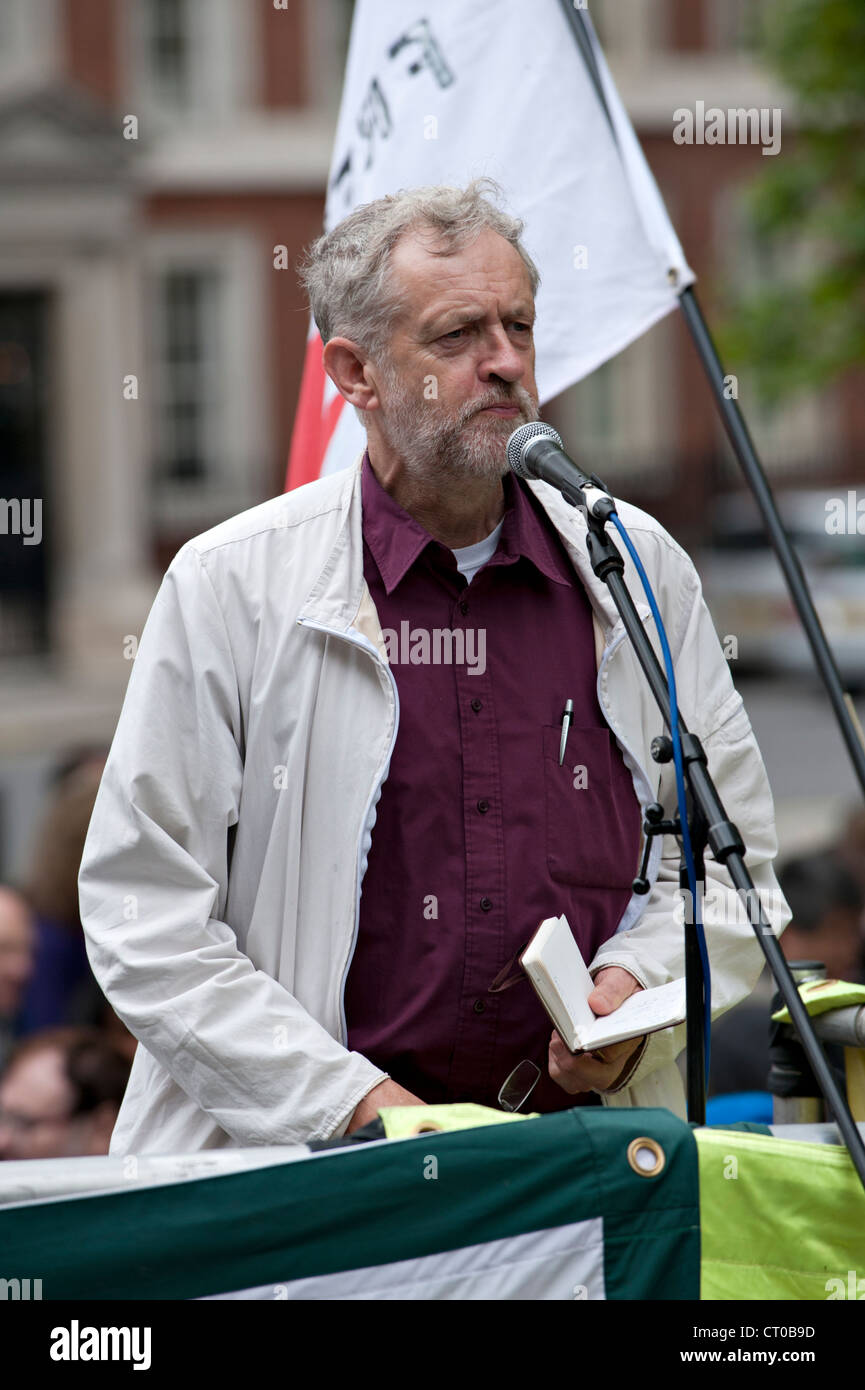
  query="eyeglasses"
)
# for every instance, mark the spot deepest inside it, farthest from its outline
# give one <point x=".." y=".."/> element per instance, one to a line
<point x="518" y="1086"/>
<point x="24" y="1123"/>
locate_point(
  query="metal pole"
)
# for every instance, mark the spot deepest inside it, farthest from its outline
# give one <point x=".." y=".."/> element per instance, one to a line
<point x="743" y="447"/>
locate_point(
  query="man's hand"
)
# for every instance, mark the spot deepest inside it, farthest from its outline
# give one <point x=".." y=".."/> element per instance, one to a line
<point x="585" y="1072"/>
<point x="385" y="1093"/>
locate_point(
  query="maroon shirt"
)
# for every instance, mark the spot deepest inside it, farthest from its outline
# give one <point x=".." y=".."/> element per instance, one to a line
<point x="479" y="833"/>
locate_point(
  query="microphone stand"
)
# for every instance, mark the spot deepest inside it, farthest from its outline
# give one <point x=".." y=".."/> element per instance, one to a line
<point x="695" y="991"/>
<point x="709" y="825"/>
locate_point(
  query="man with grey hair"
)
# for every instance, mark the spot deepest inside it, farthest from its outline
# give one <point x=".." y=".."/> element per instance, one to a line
<point x="320" y="843"/>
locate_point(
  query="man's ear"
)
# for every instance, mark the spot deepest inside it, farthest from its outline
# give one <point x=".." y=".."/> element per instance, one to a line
<point x="347" y="366"/>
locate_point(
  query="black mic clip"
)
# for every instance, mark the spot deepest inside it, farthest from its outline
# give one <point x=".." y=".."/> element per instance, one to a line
<point x="654" y="824"/>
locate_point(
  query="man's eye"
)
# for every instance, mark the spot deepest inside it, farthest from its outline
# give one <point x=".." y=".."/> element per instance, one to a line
<point x="527" y="327"/>
<point x="452" y="335"/>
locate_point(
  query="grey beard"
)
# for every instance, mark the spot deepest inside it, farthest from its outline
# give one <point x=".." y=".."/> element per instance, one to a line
<point x="459" y="449"/>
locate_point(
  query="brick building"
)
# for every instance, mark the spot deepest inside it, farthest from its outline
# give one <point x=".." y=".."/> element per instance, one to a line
<point x="154" y="155"/>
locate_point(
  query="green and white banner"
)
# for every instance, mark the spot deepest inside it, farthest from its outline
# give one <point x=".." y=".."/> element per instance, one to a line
<point x="548" y="1208"/>
<point x="585" y="1204"/>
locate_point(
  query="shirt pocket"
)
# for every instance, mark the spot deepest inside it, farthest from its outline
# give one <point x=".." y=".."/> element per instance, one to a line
<point x="590" y="840"/>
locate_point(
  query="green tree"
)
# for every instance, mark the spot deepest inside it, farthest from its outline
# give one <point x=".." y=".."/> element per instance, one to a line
<point x="808" y="325"/>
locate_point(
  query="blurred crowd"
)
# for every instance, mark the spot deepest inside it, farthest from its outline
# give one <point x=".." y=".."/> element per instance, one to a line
<point x="65" y="1055"/>
<point x="825" y="890"/>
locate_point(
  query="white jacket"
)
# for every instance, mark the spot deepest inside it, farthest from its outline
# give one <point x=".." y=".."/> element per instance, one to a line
<point x="220" y="880"/>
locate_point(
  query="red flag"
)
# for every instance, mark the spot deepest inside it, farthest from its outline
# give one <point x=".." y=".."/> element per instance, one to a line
<point x="314" y="421"/>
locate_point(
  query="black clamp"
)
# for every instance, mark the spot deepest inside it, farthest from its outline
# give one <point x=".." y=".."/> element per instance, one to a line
<point x="654" y="822"/>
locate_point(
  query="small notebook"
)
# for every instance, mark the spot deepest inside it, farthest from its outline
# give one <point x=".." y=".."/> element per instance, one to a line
<point x="555" y="966"/>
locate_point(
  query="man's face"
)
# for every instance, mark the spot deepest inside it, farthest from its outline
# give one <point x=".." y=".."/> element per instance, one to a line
<point x="36" y="1103"/>
<point x="459" y="377"/>
<point x="837" y="941"/>
<point x="16" y="952"/>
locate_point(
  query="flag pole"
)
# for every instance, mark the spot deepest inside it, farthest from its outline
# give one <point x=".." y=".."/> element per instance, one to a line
<point x="746" y="454"/>
<point x="743" y="447"/>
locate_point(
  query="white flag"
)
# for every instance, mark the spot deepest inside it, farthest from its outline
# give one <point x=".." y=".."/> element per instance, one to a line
<point x="442" y="94"/>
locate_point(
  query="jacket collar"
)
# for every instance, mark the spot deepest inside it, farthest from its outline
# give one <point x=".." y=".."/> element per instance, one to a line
<point x="335" y="597"/>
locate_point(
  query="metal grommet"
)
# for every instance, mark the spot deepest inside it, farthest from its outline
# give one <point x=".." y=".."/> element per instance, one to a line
<point x="646" y="1157"/>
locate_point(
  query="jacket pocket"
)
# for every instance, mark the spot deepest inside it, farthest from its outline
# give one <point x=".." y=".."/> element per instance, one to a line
<point x="589" y="841"/>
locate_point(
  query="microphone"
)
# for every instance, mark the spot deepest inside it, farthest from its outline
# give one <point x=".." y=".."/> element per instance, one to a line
<point x="535" y="450"/>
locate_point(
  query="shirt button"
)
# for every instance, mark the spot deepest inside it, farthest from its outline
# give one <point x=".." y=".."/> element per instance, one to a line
<point x="464" y="608"/>
<point x="477" y="705"/>
<point x="483" y="807"/>
<point x="486" y="904"/>
<point x="479" y="1006"/>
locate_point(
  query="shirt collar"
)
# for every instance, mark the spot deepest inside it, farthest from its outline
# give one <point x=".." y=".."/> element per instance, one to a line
<point x="396" y="539"/>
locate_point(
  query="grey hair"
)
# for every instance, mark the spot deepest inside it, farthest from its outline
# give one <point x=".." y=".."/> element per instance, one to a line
<point x="346" y="271"/>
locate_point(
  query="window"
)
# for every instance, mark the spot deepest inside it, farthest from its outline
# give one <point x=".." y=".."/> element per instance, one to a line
<point x="189" y="59"/>
<point x="204" y="390"/>
<point x="628" y="28"/>
<point x="619" y="421"/>
<point x="29" y="39"/>
<point x="340" y="19"/>
<point x="188" y="324"/>
<point x="733" y="26"/>
<point x="167" y="39"/>
<point x="329" y="30"/>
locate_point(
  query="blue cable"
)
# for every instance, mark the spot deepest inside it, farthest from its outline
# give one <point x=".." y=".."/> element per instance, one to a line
<point x="680" y="782"/>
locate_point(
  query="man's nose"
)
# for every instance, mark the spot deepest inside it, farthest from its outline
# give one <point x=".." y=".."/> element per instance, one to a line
<point x="501" y="358"/>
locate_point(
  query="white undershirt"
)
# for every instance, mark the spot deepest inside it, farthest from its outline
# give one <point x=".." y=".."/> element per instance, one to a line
<point x="471" y="558"/>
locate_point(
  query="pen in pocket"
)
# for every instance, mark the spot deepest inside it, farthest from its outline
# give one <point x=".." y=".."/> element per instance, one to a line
<point x="567" y="721"/>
